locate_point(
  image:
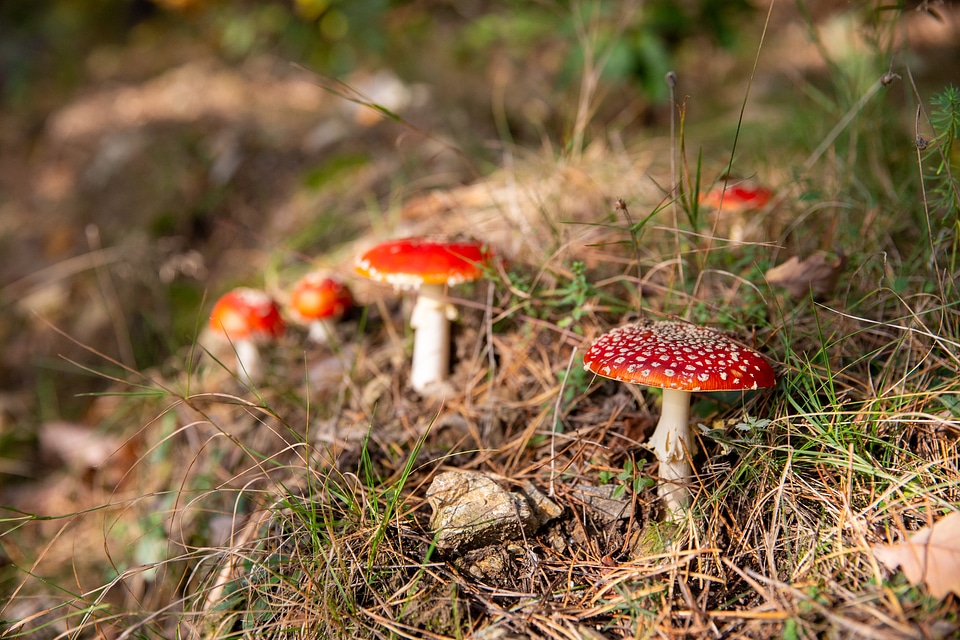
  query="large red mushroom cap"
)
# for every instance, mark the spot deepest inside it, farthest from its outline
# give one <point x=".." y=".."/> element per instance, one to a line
<point x="319" y="295"/>
<point x="411" y="262"/>
<point x="738" y="196"/>
<point x="678" y="355"/>
<point x="247" y="314"/>
<point x="681" y="358"/>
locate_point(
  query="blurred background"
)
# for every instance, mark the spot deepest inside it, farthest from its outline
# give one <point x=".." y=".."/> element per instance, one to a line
<point x="153" y="153"/>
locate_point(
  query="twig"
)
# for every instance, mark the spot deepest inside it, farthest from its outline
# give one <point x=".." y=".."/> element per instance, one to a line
<point x="556" y="419"/>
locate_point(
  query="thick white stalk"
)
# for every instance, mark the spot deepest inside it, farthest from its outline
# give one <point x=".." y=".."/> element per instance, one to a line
<point x="431" y="340"/>
<point x="248" y="361"/>
<point x="673" y="443"/>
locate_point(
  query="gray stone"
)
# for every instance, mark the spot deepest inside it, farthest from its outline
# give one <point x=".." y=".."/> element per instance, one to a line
<point x="602" y="503"/>
<point x="471" y="510"/>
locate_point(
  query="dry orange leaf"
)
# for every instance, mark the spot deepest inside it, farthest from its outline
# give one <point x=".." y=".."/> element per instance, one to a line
<point x="931" y="556"/>
<point x="817" y="273"/>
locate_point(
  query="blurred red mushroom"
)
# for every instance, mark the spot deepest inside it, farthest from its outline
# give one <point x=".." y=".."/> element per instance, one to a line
<point x="247" y="317"/>
<point x="429" y="265"/>
<point x="318" y="300"/>
<point x="735" y="196"/>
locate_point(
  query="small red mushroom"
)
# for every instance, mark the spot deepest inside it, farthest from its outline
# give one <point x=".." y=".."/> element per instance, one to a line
<point x="680" y="358"/>
<point x="736" y="196"/>
<point x="319" y="299"/>
<point x="429" y="265"/>
<point x="247" y="317"/>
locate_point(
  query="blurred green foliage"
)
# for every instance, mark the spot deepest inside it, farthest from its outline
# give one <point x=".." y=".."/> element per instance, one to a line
<point x="50" y="40"/>
<point x="945" y="118"/>
<point x="46" y="40"/>
<point x="637" y="51"/>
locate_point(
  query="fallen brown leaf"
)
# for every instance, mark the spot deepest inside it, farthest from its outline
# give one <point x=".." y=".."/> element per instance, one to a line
<point x="817" y="273"/>
<point x="931" y="556"/>
<point x="78" y="446"/>
<point x="84" y="451"/>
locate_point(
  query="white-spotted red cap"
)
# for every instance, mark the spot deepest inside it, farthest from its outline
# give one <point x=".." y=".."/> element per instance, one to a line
<point x="411" y="262"/>
<point x="677" y="355"/>
<point x="245" y="314"/>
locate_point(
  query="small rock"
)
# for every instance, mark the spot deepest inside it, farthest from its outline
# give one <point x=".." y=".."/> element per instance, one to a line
<point x="543" y="507"/>
<point x="602" y="503"/>
<point x="589" y="634"/>
<point x="489" y="565"/>
<point x="500" y="631"/>
<point x="471" y="510"/>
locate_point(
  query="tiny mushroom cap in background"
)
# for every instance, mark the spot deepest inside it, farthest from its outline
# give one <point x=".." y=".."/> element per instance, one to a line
<point x="738" y="196"/>
<point x="680" y="358"/>
<point x="428" y="265"/>
<point x="247" y="316"/>
<point x="319" y="299"/>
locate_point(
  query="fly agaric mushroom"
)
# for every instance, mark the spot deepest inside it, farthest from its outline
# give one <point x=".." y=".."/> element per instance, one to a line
<point x="428" y="265"/>
<point x="247" y="317"/>
<point x="680" y="358"/>
<point x="319" y="299"/>
<point x="736" y="197"/>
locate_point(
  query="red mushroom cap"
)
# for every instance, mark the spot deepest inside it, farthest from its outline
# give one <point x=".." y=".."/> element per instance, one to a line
<point x="247" y="314"/>
<point x="319" y="295"/>
<point x="739" y="196"/>
<point x="677" y="355"/>
<point x="411" y="262"/>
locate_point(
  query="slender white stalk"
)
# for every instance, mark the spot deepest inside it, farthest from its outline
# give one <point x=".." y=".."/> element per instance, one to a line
<point x="673" y="443"/>
<point x="249" y="367"/>
<point x="321" y="330"/>
<point x="430" y="320"/>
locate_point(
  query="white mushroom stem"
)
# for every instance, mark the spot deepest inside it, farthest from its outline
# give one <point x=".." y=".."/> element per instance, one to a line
<point x="430" y="320"/>
<point x="673" y="443"/>
<point x="249" y="366"/>
<point x="321" y="330"/>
